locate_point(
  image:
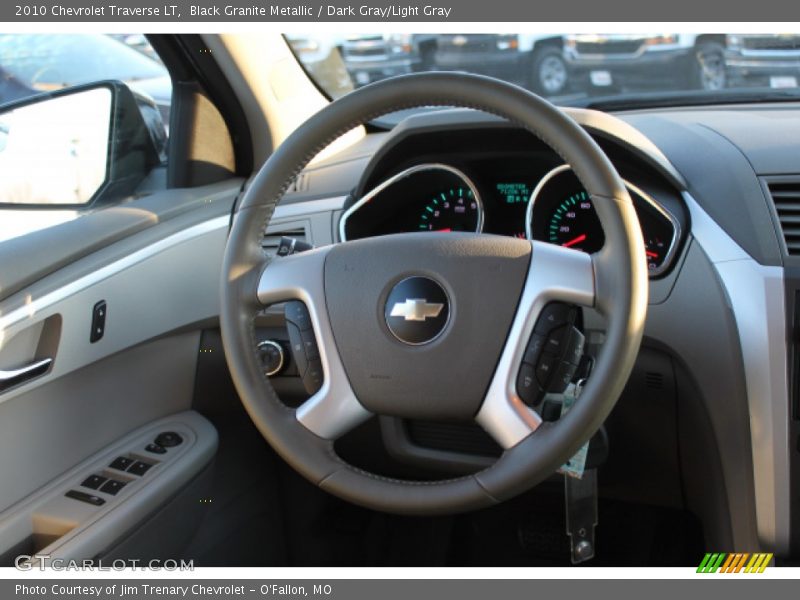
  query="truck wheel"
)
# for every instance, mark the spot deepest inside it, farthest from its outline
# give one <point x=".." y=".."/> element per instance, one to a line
<point x="708" y="67"/>
<point x="548" y="75"/>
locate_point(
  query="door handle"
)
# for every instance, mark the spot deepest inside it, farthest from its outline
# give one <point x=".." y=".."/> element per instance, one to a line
<point x="14" y="377"/>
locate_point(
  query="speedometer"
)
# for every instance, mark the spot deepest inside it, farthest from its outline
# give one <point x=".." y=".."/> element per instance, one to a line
<point x="574" y="224"/>
<point x="562" y="212"/>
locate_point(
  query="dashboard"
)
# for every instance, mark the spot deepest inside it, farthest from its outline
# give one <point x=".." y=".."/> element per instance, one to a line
<point x="717" y="192"/>
<point x="508" y="186"/>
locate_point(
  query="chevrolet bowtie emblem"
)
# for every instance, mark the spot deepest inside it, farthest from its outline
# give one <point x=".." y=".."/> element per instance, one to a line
<point x="416" y="309"/>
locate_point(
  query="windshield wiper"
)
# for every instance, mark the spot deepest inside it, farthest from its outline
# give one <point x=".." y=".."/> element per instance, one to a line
<point x="687" y="98"/>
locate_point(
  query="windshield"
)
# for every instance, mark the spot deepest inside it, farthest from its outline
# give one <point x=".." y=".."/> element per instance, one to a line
<point x="46" y="62"/>
<point x="622" y="70"/>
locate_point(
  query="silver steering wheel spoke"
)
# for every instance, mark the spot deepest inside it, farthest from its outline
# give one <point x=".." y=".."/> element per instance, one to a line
<point x="555" y="274"/>
<point x="334" y="409"/>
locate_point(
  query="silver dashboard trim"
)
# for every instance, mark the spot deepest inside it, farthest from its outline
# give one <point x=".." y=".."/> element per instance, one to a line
<point x="676" y="226"/>
<point x="334" y="409"/>
<point x="756" y="296"/>
<point x="402" y="175"/>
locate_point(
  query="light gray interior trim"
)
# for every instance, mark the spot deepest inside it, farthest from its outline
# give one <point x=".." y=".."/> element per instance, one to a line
<point x="288" y="211"/>
<point x="555" y="273"/>
<point x="57" y="425"/>
<point x="86" y="530"/>
<point x="756" y="295"/>
<point x="161" y="287"/>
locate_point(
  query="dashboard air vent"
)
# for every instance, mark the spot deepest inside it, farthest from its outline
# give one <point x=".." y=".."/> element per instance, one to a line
<point x="786" y="197"/>
<point x="273" y="237"/>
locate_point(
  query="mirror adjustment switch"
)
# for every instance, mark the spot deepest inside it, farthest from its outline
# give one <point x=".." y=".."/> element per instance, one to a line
<point x="112" y="486"/>
<point x="168" y="439"/>
<point x="155" y="449"/>
<point x="121" y="463"/>
<point x="98" y="321"/>
<point x="84" y="497"/>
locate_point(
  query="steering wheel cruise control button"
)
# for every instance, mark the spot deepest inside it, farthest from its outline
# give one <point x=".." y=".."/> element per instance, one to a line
<point x="312" y="380"/>
<point x="297" y="313"/>
<point x="298" y="348"/>
<point x="309" y="345"/>
<point x="168" y="439"/>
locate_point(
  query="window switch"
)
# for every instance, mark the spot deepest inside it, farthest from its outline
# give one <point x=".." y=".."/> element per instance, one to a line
<point x="94" y="481"/>
<point x="121" y="463"/>
<point x="112" y="486"/>
<point x="84" y="497"/>
<point x="139" y="468"/>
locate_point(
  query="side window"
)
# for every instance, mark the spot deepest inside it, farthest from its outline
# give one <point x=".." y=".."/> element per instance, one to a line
<point x="83" y="119"/>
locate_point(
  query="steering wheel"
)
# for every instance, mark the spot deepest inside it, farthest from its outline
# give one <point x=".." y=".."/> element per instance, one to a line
<point x="431" y="325"/>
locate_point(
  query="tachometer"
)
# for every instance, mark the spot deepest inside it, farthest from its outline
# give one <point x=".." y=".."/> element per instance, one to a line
<point x="452" y="209"/>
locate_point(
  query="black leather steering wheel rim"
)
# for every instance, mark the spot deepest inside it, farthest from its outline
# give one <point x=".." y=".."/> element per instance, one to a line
<point x="620" y="288"/>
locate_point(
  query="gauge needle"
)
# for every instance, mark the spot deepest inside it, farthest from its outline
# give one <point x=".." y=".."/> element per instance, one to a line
<point x="577" y="240"/>
<point x="445" y="229"/>
<point x="651" y="254"/>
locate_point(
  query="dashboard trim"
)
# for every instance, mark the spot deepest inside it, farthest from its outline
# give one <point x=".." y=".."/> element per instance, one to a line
<point x="676" y="226"/>
<point x="386" y="183"/>
<point x="757" y="300"/>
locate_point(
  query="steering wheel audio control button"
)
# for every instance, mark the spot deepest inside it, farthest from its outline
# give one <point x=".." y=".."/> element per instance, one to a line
<point x="556" y="340"/>
<point x="561" y="377"/>
<point x="297" y="313"/>
<point x="544" y="369"/>
<point x="527" y="386"/>
<point x="553" y="316"/>
<point x="534" y="349"/>
<point x="573" y="349"/>
<point x="309" y="344"/>
<point x="298" y="348"/>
